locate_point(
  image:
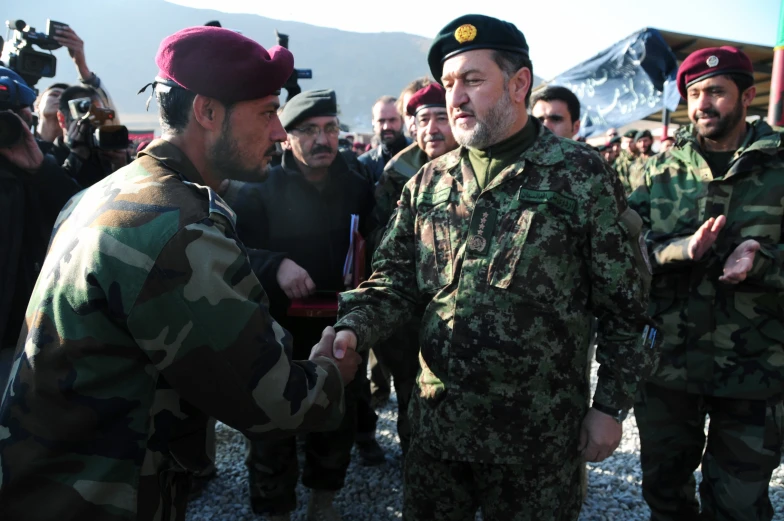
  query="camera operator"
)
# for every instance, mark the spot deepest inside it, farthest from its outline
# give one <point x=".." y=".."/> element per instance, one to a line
<point x="33" y="189"/>
<point x="47" y="104"/>
<point x="75" y="149"/>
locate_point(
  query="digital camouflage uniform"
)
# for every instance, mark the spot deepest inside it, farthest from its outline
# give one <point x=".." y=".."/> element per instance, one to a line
<point x="400" y="351"/>
<point x="622" y="164"/>
<point x="511" y="276"/>
<point x="146" y="320"/>
<point x="723" y="343"/>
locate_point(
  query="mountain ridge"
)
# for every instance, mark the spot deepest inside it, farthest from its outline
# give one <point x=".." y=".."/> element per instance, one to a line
<point x="121" y="42"/>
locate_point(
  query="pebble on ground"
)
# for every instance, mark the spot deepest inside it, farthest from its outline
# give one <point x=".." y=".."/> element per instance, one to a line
<point x="376" y="493"/>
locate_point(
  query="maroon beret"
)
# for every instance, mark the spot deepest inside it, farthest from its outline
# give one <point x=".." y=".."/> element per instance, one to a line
<point x="433" y="95"/>
<point x="713" y="61"/>
<point x="223" y="64"/>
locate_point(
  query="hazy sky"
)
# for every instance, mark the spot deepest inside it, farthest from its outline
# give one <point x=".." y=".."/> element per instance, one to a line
<point x="560" y="33"/>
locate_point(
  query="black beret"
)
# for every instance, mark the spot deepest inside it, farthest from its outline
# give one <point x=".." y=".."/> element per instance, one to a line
<point x="308" y="104"/>
<point x="631" y="133"/>
<point x="471" y="32"/>
<point x="643" y="133"/>
<point x="616" y="139"/>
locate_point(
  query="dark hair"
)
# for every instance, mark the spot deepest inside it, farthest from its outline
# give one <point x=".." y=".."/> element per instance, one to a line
<point x="510" y="62"/>
<point x="743" y="81"/>
<point x="558" y="93"/>
<point x="174" y="108"/>
<point x="72" y="93"/>
<point x="62" y="86"/>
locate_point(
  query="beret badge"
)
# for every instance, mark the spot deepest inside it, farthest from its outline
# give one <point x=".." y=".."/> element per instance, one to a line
<point x="712" y="61"/>
<point x="465" y="33"/>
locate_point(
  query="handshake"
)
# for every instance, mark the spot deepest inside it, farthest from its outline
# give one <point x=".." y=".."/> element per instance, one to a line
<point x="341" y="348"/>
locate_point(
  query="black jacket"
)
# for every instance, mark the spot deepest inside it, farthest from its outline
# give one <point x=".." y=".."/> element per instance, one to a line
<point x="376" y="159"/>
<point x="289" y="216"/>
<point x="29" y="205"/>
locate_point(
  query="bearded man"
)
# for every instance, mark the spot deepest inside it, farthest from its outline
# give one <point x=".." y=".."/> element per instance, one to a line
<point x="506" y="248"/>
<point x="712" y="214"/>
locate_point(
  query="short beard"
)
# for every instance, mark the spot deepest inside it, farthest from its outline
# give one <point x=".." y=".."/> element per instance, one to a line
<point x="492" y="128"/>
<point x="724" y="125"/>
<point x="224" y="158"/>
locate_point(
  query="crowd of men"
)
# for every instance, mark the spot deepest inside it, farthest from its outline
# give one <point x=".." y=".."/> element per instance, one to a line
<point x="212" y="279"/>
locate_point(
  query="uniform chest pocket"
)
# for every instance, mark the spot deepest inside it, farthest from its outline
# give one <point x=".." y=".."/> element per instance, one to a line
<point x="433" y="245"/>
<point x="534" y="256"/>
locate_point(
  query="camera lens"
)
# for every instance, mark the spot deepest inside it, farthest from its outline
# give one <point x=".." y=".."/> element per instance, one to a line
<point x="10" y="129"/>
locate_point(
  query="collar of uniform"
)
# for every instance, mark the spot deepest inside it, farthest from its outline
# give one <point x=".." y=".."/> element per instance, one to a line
<point x="545" y="151"/>
<point x="174" y="159"/>
<point x="408" y="161"/>
<point x="760" y="137"/>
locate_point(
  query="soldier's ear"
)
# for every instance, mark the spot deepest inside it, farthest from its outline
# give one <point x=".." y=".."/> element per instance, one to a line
<point x="286" y="145"/>
<point x="519" y="85"/>
<point x="208" y="112"/>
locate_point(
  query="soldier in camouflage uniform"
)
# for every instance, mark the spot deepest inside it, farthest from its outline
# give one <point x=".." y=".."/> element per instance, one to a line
<point x="625" y="160"/>
<point x="512" y="243"/>
<point x="427" y="108"/>
<point x="636" y="176"/>
<point x="712" y="212"/>
<point x="147" y="318"/>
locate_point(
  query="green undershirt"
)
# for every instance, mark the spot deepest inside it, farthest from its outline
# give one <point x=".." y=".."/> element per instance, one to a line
<point x="490" y="162"/>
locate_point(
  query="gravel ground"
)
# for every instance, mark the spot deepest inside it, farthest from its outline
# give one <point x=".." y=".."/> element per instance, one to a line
<point x="375" y="493"/>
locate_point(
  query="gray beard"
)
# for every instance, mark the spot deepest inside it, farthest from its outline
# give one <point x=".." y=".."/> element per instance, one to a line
<point x="491" y="129"/>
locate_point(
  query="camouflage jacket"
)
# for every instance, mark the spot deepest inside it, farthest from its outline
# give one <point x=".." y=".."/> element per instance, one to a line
<point x="511" y="276"/>
<point x="636" y="173"/>
<point x="720" y="339"/>
<point x="146" y="320"/>
<point x="622" y="164"/>
<point x="396" y="174"/>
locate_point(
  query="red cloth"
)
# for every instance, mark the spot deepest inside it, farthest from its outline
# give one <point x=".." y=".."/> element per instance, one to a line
<point x="433" y="95"/>
<point x="223" y="64"/>
<point x="712" y="61"/>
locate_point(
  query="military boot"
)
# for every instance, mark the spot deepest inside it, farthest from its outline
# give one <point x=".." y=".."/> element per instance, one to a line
<point x="320" y="507"/>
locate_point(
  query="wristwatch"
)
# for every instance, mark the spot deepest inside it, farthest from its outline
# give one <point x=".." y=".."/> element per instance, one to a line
<point x="617" y="414"/>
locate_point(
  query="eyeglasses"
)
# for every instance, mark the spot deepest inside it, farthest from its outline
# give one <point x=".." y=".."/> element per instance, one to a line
<point x="313" y="131"/>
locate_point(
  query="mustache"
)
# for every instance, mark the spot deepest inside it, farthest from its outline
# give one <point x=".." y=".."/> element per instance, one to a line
<point x="709" y="113"/>
<point x="429" y="138"/>
<point x="318" y="149"/>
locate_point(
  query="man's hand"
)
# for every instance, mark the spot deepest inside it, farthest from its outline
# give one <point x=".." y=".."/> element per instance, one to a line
<point x="703" y="239"/>
<point x="25" y="153"/>
<point x="740" y="262"/>
<point x="600" y="435"/>
<point x="79" y="137"/>
<point x="346" y="340"/>
<point x="347" y="365"/>
<point x="68" y="38"/>
<point x="294" y="280"/>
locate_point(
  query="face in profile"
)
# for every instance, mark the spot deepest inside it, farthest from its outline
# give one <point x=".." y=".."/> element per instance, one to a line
<point x="246" y="142"/>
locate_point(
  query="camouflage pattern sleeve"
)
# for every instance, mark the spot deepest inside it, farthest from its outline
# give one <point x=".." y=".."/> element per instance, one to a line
<point x="667" y="251"/>
<point x="388" y="299"/>
<point x="620" y="285"/>
<point x="202" y="318"/>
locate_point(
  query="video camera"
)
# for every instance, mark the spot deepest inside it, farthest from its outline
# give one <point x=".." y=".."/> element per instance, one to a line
<point x="20" y="55"/>
<point x="106" y="135"/>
